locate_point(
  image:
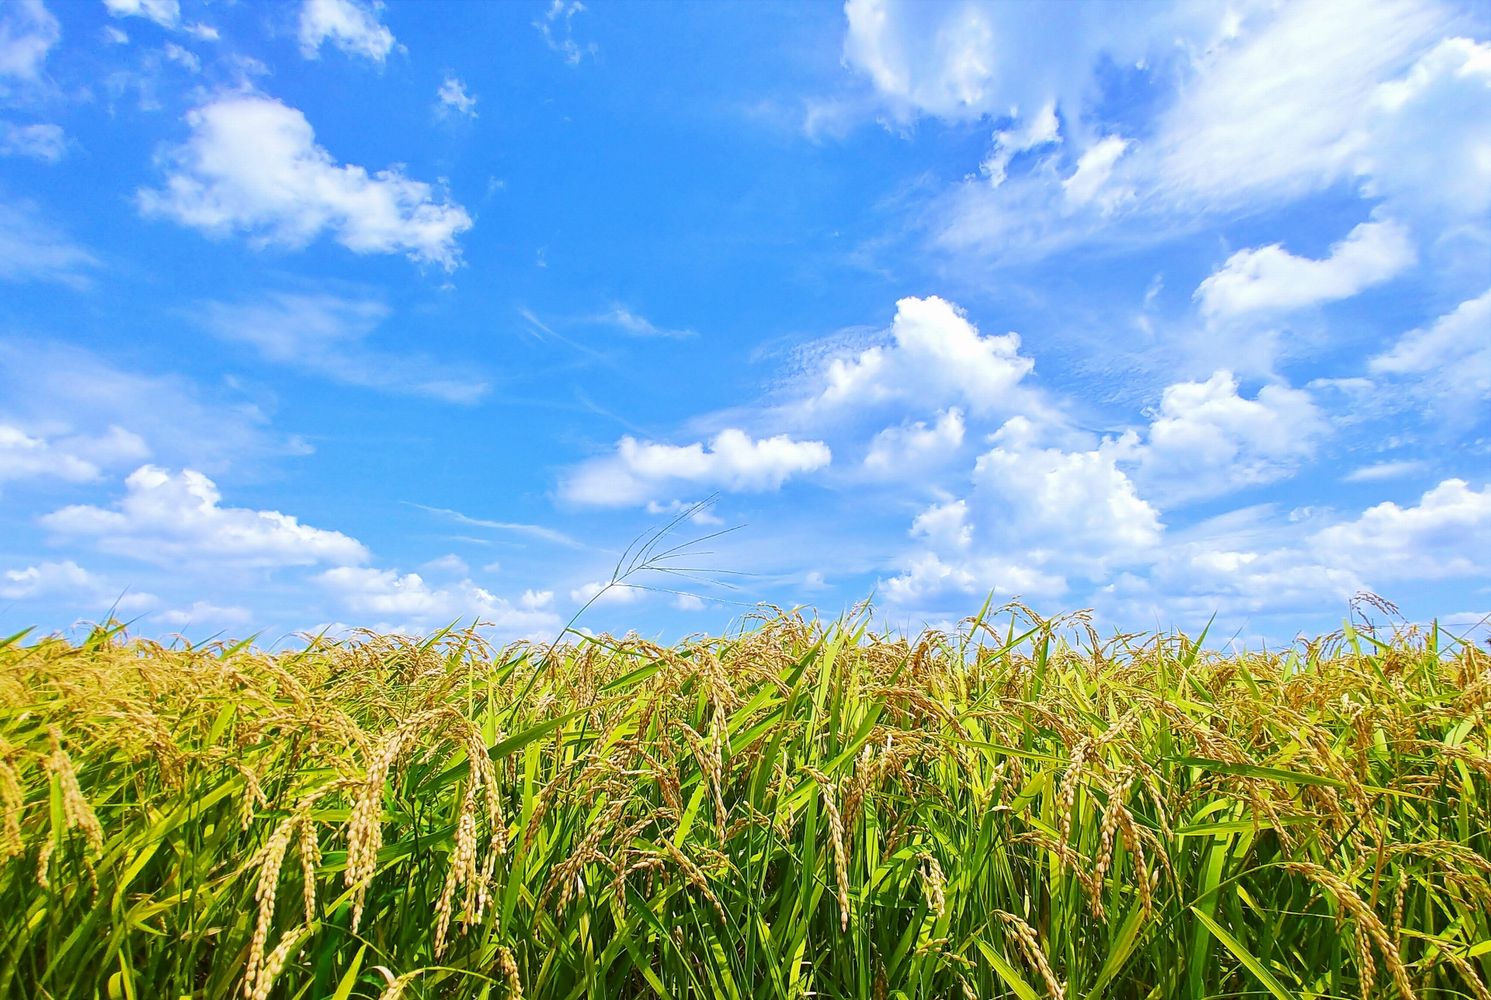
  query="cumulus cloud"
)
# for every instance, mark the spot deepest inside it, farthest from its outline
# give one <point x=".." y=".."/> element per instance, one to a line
<point x="27" y="33"/>
<point x="48" y="579"/>
<point x="454" y="99"/>
<point x="1449" y="361"/>
<point x="909" y="447"/>
<point x="407" y="602"/>
<point x="1429" y="136"/>
<point x="252" y="165"/>
<point x="1271" y="278"/>
<point x="326" y="333"/>
<point x="944" y="525"/>
<point x="640" y="471"/>
<point x="1446" y="534"/>
<point x="74" y="458"/>
<point x="39" y="142"/>
<point x="1207" y="439"/>
<point x="602" y="592"/>
<point x="1189" y="582"/>
<point x="1267" y="568"/>
<point x="177" y="519"/>
<point x="1034" y="516"/>
<point x="928" y="578"/>
<point x="1077" y="499"/>
<point x="352" y="27"/>
<point x="936" y="356"/>
<point x="78" y="589"/>
<point x="204" y="614"/>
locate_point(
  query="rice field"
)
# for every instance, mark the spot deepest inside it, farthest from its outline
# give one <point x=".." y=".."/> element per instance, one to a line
<point x="1022" y="808"/>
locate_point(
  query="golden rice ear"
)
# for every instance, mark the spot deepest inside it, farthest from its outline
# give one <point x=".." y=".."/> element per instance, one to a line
<point x="663" y="793"/>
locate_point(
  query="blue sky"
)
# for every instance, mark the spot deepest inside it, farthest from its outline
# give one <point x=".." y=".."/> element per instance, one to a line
<point x="332" y="313"/>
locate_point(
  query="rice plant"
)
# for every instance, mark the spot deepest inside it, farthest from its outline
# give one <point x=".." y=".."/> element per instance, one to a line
<point x="798" y="809"/>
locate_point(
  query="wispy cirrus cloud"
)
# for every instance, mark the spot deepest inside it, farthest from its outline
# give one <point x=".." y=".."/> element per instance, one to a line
<point x="536" y="531"/>
<point x="33" y="248"/>
<point x="328" y="334"/>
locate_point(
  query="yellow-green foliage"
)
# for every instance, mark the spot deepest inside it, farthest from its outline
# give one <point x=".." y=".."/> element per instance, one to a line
<point x="798" y="810"/>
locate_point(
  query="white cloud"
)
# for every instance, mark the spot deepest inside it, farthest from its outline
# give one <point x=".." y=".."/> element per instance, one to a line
<point x="1451" y="357"/>
<point x="325" y="333"/>
<point x="1094" y="169"/>
<point x="607" y="593"/>
<point x="1244" y="564"/>
<point x="175" y="519"/>
<point x="908" y="448"/>
<point x="447" y="565"/>
<point x="624" y="319"/>
<point x="78" y="589"/>
<point x="1034" y="516"/>
<point x="166" y="13"/>
<point x="945" y="525"/>
<point x="60" y="391"/>
<point x="1447" y="534"/>
<point x="1189" y="582"/>
<point x="927" y="578"/>
<point x="408" y="601"/>
<point x="1379" y="471"/>
<point x="937" y="357"/>
<point x="40" y="142"/>
<point x="643" y="470"/>
<point x="699" y="515"/>
<point x="536" y="600"/>
<point x="252" y="165"/>
<point x="204" y="614"/>
<point x="70" y="457"/>
<point x="352" y="27"/>
<point x="184" y="58"/>
<point x="558" y="29"/>
<point x="48" y="579"/>
<point x="1206" y="439"/>
<point x="1281" y="108"/>
<point x="27" y="33"/>
<point x="1258" y="104"/>
<point x="1271" y="278"/>
<point x="1078" y="500"/>
<point x="32" y="249"/>
<point x="454" y="99"/>
<point x="969" y="59"/>
<point x="536" y="531"/>
<point x="1043" y="129"/>
<point x="1429" y="145"/>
